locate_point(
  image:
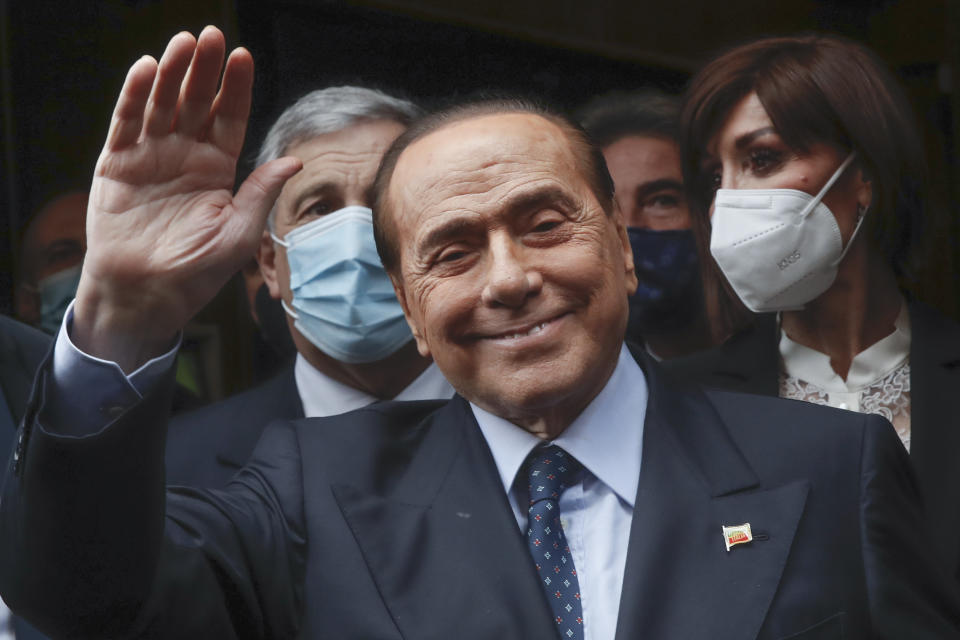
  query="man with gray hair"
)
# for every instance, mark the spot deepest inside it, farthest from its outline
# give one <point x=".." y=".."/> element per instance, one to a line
<point x="318" y="257"/>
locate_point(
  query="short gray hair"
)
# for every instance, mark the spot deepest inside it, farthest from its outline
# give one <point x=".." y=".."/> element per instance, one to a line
<point x="328" y="111"/>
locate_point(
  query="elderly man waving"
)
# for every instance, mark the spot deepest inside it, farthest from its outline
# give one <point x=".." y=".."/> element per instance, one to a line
<point x="569" y="490"/>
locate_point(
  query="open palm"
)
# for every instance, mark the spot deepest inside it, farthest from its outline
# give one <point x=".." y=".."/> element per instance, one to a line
<point x="164" y="229"/>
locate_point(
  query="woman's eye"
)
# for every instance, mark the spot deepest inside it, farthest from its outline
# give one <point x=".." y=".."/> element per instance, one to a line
<point x="762" y="160"/>
<point x="714" y="180"/>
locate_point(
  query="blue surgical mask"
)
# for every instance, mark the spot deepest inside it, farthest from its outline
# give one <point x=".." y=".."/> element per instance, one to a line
<point x="343" y="301"/>
<point x="668" y="273"/>
<point x="56" y="292"/>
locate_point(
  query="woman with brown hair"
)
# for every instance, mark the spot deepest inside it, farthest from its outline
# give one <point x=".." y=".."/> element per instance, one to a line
<point x="808" y="186"/>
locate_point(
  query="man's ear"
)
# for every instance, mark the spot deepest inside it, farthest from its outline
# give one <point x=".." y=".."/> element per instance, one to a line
<point x="629" y="273"/>
<point x="422" y="347"/>
<point x="267" y="259"/>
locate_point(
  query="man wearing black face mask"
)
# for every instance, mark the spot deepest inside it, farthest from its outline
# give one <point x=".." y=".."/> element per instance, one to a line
<point x="637" y="133"/>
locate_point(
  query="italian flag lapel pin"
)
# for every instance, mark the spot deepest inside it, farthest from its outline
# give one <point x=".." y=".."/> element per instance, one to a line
<point x="737" y="534"/>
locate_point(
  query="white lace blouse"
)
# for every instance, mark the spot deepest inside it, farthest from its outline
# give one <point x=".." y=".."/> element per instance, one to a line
<point x="878" y="381"/>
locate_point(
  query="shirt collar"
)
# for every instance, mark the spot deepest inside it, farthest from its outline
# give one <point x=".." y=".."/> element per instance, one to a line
<point x="606" y="438"/>
<point x="322" y="396"/>
<point x="868" y="366"/>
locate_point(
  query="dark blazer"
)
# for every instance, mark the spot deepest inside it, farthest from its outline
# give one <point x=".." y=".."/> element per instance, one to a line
<point x="391" y="522"/>
<point x="750" y="361"/>
<point x="21" y="351"/>
<point x="206" y="447"/>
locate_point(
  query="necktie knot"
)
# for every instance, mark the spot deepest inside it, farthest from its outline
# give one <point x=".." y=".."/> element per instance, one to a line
<point x="550" y="470"/>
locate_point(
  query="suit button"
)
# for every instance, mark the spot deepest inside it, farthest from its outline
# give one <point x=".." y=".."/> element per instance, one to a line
<point x="112" y="411"/>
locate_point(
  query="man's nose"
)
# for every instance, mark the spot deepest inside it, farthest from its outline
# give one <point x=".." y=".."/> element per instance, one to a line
<point x="509" y="280"/>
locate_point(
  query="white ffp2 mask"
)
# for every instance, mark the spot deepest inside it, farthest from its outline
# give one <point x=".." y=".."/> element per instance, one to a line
<point x="778" y="248"/>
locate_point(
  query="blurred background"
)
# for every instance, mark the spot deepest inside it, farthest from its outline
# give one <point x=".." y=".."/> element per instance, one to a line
<point x="62" y="63"/>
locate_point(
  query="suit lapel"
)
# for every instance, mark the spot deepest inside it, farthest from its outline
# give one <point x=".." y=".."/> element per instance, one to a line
<point x="935" y="428"/>
<point x="444" y="548"/>
<point x="680" y="581"/>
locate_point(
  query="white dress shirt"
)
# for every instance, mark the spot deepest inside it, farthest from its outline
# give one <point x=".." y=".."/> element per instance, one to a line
<point x="607" y="439"/>
<point x="878" y="381"/>
<point x="323" y="396"/>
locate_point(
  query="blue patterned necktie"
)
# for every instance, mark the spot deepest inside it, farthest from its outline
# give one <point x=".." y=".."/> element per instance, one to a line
<point x="551" y="471"/>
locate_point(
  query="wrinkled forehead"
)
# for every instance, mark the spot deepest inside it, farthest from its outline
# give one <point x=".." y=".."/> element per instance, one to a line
<point x="477" y="162"/>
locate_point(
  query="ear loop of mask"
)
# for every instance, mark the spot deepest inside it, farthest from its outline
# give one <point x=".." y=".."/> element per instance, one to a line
<point x="836" y="176"/>
<point x="860" y="216"/>
<point x="283" y="303"/>
<point x="290" y="312"/>
<point x="823" y="192"/>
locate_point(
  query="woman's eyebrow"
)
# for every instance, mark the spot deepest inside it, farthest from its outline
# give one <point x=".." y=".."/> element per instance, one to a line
<point x="747" y="138"/>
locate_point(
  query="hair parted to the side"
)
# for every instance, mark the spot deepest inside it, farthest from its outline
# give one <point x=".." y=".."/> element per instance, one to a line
<point x="328" y="111"/>
<point x="592" y="165"/>
<point x="816" y="89"/>
<point x="618" y="114"/>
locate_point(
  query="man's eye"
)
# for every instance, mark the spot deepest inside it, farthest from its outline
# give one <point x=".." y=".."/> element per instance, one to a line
<point x="664" y="201"/>
<point x="451" y="256"/>
<point x="546" y="225"/>
<point x="319" y="209"/>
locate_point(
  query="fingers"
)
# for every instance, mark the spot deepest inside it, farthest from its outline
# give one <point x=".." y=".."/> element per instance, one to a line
<point x="162" y="105"/>
<point x="200" y="85"/>
<point x="259" y="191"/>
<point x="231" y="108"/>
<point x="181" y="92"/>
<point x="127" y="118"/>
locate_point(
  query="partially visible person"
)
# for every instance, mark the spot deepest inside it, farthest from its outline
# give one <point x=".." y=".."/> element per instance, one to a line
<point x="52" y="251"/>
<point x="806" y="154"/>
<point x="637" y="132"/>
<point x="21" y="351"/>
<point x="319" y="262"/>
<point x="51" y="259"/>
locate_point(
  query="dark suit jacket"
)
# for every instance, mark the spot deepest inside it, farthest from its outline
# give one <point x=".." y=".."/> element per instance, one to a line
<point x="206" y="447"/>
<point x="391" y="522"/>
<point x="21" y="351"/>
<point x="749" y="362"/>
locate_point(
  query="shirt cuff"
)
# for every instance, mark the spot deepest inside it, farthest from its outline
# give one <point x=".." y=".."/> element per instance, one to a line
<point x="87" y="393"/>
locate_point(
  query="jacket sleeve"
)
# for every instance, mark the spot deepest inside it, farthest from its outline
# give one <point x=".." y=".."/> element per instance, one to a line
<point x="92" y="546"/>
<point x="910" y="593"/>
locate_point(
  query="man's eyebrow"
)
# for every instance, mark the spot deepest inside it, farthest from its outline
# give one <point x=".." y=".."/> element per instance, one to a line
<point x="521" y="203"/>
<point x="446" y="231"/>
<point x="747" y="138"/>
<point x="664" y="184"/>
<point x="539" y="198"/>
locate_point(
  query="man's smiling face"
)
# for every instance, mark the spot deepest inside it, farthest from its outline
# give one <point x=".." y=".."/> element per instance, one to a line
<point x="512" y="275"/>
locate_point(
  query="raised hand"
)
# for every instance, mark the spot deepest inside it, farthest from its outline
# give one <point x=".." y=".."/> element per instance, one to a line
<point x="164" y="230"/>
